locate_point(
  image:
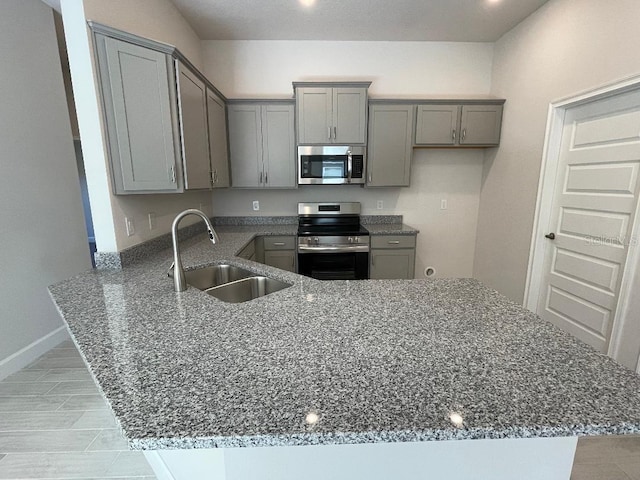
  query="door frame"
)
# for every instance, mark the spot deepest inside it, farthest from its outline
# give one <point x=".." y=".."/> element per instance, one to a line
<point x="546" y="188"/>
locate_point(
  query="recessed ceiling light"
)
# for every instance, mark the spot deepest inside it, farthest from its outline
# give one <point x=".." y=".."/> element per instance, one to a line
<point x="307" y="3"/>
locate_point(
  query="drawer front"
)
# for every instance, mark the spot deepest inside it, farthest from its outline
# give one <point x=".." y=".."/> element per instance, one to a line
<point x="280" y="243"/>
<point x="393" y="241"/>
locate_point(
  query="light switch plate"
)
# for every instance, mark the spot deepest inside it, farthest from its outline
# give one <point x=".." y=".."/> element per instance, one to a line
<point x="256" y="205"/>
<point x="380" y="205"/>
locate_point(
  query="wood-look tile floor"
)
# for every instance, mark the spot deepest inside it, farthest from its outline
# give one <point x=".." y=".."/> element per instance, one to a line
<point x="55" y="425"/>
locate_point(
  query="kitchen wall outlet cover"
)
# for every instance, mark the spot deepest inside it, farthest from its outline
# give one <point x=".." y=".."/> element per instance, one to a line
<point x="256" y="205"/>
<point x="152" y="220"/>
<point x="443" y="204"/>
<point x="380" y="205"/>
<point x="130" y="226"/>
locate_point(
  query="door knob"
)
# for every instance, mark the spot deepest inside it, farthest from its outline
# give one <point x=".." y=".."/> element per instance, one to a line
<point x="551" y="236"/>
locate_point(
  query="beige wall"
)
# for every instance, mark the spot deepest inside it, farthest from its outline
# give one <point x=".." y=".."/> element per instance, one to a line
<point x="43" y="236"/>
<point x="567" y="46"/>
<point x="396" y="69"/>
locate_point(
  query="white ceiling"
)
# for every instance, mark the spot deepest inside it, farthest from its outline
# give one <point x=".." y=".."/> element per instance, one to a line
<point x="427" y="20"/>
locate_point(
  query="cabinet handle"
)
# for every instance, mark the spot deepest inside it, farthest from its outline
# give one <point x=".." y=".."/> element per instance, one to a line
<point x="211" y="180"/>
<point x="278" y="244"/>
<point x="173" y="174"/>
<point x="394" y="242"/>
<point x="329" y="133"/>
<point x="370" y="179"/>
<point x="464" y="133"/>
<point x="215" y="176"/>
<point x="335" y="132"/>
<point x="453" y="135"/>
<point x="266" y="177"/>
<point x="260" y="177"/>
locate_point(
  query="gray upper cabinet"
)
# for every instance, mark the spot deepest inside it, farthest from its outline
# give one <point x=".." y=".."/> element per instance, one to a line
<point x="467" y="125"/>
<point x="329" y="114"/>
<point x="218" y="148"/>
<point x="166" y="124"/>
<point x="390" y="145"/>
<point x="139" y="108"/>
<point x="262" y="145"/>
<point x="437" y="124"/>
<point x="192" y="101"/>
<point x="480" y="124"/>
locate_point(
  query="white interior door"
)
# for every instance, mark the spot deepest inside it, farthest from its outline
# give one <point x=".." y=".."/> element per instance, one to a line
<point x="594" y="204"/>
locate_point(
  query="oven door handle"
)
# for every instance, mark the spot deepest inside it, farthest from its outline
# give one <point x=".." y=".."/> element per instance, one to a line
<point x="349" y="166"/>
<point x="332" y="249"/>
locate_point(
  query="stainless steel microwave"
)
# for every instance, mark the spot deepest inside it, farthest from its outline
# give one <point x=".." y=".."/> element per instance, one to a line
<point x="331" y="165"/>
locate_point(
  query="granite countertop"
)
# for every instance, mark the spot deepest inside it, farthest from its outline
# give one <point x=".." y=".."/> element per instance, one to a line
<point x="371" y="361"/>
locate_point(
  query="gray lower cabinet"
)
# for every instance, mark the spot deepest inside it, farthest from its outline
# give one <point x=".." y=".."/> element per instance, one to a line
<point x="390" y="145"/>
<point x="463" y="125"/>
<point x="392" y="257"/>
<point x="331" y="113"/>
<point x="248" y="252"/>
<point x="140" y="115"/>
<point x="262" y="145"/>
<point x="280" y="252"/>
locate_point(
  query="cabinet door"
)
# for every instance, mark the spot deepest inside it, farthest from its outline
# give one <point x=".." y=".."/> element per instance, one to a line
<point x="282" y="259"/>
<point x="192" y="101"/>
<point x="218" y="140"/>
<point x="245" y="145"/>
<point x="278" y="146"/>
<point x="349" y="116"/>
<point x="139" y="115"/>
<point x="314" y="115"/>
<point x="392" y="264"/>
<point x="437" y="124"/>
<point x="480" y="124"/>
<point x="390" y="145"/>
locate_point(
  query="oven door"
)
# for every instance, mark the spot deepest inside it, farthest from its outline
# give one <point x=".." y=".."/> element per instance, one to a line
<point x="334" y="265"/>
<point x="330" y="165"/>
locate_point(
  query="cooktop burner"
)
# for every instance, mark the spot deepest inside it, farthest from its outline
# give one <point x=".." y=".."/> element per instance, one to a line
<point x="330" y="219"/>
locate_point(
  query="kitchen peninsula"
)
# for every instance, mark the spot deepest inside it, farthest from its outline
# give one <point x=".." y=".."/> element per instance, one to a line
<point x="338" y="379"/>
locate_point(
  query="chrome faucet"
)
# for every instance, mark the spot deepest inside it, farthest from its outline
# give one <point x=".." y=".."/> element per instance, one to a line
<point x="179" y="281"/>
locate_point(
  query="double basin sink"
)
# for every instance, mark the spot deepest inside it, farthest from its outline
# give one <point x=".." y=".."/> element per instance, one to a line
<point x="232" y="284"/>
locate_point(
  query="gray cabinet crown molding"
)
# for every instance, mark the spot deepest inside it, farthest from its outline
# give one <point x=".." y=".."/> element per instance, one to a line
<point x="107" y="31"/>
<point x="327" y="84"/>
<point x="437" y="101"/>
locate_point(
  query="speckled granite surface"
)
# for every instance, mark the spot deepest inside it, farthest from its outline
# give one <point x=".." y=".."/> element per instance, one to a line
<point x="391" y="229"/>
<point x="376" y="361"/>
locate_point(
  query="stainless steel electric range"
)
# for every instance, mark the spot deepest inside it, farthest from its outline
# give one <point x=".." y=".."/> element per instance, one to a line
<point x="332" y="245"/>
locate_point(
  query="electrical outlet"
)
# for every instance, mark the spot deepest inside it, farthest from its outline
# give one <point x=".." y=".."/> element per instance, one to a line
<point x="256" y="205"/>
<point x="443" y="204"/>
<point x="152" y="221"/>
<point x="380" y="204"/>
<point x="130" y="226"/>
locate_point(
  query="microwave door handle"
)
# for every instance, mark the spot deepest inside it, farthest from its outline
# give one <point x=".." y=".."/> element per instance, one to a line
<point x="349" y="166"/>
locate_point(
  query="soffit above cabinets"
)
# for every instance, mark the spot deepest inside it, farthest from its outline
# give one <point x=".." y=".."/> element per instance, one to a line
<point x="370" y="20"/>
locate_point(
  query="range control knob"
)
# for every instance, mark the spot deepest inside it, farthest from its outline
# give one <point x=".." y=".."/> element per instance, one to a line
<point x="350" y="239"/>
<point x="317" y="240"/>
<point x="357" y="240"/>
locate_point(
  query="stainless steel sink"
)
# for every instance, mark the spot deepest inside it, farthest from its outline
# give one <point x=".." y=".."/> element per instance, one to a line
<point x="246" y="289"/>
<point x="232" y="284"/>
<point x="215" y="275"/>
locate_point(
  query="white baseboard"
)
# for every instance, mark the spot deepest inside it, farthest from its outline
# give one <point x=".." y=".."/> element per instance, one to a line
<point x="28" y="354"/>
